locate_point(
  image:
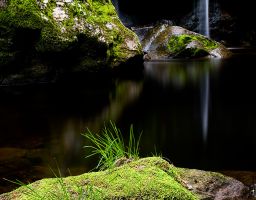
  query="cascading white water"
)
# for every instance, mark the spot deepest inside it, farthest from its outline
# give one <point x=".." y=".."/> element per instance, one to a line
<point x="204" y="29"/>
<point x="203" y="16"/>
<point x="148" y="44"/>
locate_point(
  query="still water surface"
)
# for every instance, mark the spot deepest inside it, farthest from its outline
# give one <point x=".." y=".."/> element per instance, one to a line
<point x="197" y="113"/>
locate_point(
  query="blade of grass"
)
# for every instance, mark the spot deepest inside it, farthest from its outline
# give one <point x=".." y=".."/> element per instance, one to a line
<point x="110" y="146"/>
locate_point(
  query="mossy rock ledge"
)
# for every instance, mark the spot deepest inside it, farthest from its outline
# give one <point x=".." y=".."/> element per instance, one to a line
<point x="147" y="178"/>
<point x="164" y="41"/>
<point x="42" y="38"/>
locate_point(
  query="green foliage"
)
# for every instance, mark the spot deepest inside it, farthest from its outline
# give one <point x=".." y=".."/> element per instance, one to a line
<point x="90" y="3"/>
<point x="61" y="190"/>
<point x="148" y="178"/>
<point x="30" y="192"/>
<point x="178" y="43"/>
<point x="22" y="13"/>
<point x="83" y="19"/>
<point x="111" y="147"/>
<point x="77" y="9"/>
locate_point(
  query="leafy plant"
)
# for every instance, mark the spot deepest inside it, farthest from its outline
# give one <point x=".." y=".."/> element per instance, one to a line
<point x="111" y="147"/>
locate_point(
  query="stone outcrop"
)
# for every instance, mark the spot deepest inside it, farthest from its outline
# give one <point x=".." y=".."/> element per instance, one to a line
<point x="211" y="185"/>
<point x="42" y="38"/>
<point x="165" y="41"/>
<point x="147" y="178"/>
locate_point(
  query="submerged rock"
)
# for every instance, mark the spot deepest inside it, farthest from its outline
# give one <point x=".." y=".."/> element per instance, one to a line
<point x="147" y="178"/>
<point x="165" y="41"/>
<point x="41" y="38"/>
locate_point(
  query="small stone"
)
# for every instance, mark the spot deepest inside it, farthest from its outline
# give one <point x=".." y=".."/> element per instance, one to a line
<point x="59" y="14"/>
<point x="110" y="26"/>
<point x="60" y="3"/>
<point x="44" y="17"/>
<point x="121" y="161"/>
<point x="189" y="187"/>
<point x="131" y="44"/>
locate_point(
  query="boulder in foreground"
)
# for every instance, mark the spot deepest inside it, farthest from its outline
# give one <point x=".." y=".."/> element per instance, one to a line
<point x="147" y="178"/>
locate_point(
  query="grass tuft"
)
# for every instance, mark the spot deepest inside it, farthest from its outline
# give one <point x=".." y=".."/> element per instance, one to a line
<point x="110" y="146"/>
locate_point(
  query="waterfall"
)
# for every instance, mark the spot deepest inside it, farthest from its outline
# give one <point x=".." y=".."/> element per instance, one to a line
<point x="151" y="40"/>
<point x="203" y="16"/>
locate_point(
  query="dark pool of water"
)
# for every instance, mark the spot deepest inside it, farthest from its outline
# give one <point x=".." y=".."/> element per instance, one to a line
<point x="197" y="113"/>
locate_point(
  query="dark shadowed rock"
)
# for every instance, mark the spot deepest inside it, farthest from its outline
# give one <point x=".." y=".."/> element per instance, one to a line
<point x="227" y="24"/>
<point x="39" y="40"/>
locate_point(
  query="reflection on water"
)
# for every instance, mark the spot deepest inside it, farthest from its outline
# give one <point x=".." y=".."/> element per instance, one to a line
<point x="205" y="87"/>
<point x="179" y="73"/>
<point x="198" y="113"/>
<point x="41" y="127"/>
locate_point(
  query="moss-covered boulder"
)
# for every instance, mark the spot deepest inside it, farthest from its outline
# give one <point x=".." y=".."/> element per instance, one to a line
<point x="165" y="41"/>
<point x="148" y="178"/>
<point x="53" y="36"/>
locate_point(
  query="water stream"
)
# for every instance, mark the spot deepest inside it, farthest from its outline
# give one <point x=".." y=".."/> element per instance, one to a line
<point x="203" y="16"/>
<point x="151" y="40"/>
<point x="204" y="29"/>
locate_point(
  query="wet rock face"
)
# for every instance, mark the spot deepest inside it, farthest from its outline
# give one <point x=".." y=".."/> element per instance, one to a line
<point x="230" y="21"/>
<point x="61" y="36"/>
<point x="223" y="26"/>
<point x="2" y="3"/>
<point x="210" y="185"/>
<point x="165" y="41"/>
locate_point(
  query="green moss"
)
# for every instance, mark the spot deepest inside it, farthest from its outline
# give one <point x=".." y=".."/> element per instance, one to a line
<point x="89" y="19"/>
<point x="148" y="178"/>
<point x="177" y="44"/>
<point x="202" y="176"/>
<point x="22" y="13"/>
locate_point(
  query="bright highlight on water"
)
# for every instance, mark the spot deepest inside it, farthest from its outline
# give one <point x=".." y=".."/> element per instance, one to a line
<point x="203" y="15"/>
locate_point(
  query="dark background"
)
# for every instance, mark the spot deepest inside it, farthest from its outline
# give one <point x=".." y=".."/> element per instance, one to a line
<point x="231" y="22"/>
<point x="178" y="8"/>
